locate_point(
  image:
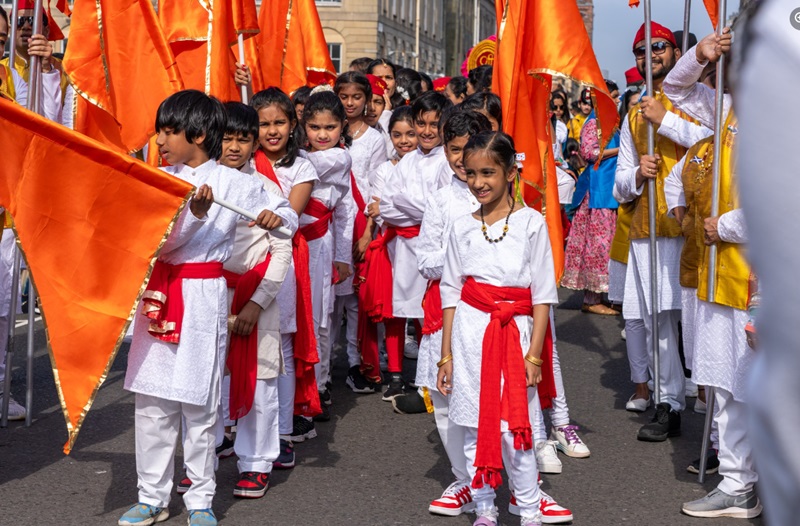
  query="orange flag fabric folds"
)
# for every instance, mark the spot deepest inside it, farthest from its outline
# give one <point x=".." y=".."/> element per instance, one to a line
<point x="90" y="235"/>
<point x="712" y="6"/>
<point x="293" y="48"/>
<point x="120" y="64"/>
<point x="537" y="40"/>
<point x="200" y="35"/>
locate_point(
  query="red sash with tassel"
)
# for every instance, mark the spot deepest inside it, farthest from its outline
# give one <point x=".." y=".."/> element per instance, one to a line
<point x="306" y="398"/>
<point x="501" y="357"/>
<point x="359" y="228"/>
<point x="163" y="298"/>
<point x="242" y="358"/>
<point x="432" y="308"/>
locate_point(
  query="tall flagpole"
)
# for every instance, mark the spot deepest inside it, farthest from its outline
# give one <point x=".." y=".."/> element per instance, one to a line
<point x="651" y="209"/>
<point x="12" y="54"/>
<point x="719" y="122"/>
<point x="687" y="14"/>
<point x="241" y="59"/>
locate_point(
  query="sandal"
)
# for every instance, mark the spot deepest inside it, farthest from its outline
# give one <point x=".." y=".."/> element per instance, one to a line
<point x="599" y="308"/>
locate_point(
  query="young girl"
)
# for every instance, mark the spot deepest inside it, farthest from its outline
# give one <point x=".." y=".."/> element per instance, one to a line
<point x="386" y="71"/>
<point x="367" y="152"/>
<point x="366" y="378"/>
<point x="497" y="272"/>
<point x="488" y="104"/>
<point x="277" y="158"/>
<point x="327" y="221"/>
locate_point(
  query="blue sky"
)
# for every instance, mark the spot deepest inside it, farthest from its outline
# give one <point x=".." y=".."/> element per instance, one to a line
<point x="615" y="25"/>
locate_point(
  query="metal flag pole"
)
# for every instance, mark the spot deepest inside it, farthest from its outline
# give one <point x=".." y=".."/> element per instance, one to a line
<point x="712" y="250"/>
<point x="651" y="209"/>
<point x="280" y="232"/>
<point x="241" y="59"/>
<point x="687" y="14"/>
<point x="12" y="54"/>
<point x="35" y="63"/>
<point x="12" y="322"/>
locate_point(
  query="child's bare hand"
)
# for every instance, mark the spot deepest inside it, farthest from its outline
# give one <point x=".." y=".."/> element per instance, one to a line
<point x="444" y="379"/>
<point x="267" y="220"/>
<point x="374" y="209"/>
<point x="388" y="100"/>
<point x="533" y="374"/>
<point x="246" y="319"/>
<point x="201" y="202"/>
<point x="242" y="76"/>
<point x="361" y="248"/>
<point x="343" y="270"/>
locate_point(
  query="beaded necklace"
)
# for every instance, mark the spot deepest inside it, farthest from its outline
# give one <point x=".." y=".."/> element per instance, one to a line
<point x="505" y="227"/>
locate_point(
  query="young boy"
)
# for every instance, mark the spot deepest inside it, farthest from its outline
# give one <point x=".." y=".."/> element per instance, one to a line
<point x="175" y="362"/>
<point x="416" y="177"/>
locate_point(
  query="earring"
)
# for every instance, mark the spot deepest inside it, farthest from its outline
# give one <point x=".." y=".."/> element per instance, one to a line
<point x="365" y="111"/>
<point x="341" y="141"/>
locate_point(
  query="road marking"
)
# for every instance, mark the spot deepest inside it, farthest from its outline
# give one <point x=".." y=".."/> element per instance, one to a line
<point x="23" y="323"/>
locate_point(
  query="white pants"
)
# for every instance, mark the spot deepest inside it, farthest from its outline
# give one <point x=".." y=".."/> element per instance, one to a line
<point x="257" y="444"/>
<point x="323" y="368"/>
<point x="158" y="422"/>
<point x="451" y="434"/>
<point x="559" y="413"/>
<point x="522" y="472"/>
<point x="638" y="355"/>
<point x="735" y="452"/>
<point x="346" y="304"/>
<point x="286" y="387"/>
<point x="671" y="370"/>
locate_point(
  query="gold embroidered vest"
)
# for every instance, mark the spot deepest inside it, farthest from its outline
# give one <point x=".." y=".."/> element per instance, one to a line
<point x="732" y="269"/>
<point x="621" y="242"/>
<point x="670" y="154"/>
<point x="696" y="168"/>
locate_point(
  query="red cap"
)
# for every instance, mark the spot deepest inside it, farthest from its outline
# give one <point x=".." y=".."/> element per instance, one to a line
<point x="378" y="85"/>
<point x="632" y="76"/>
<point x="25" y="4"/>
<point x="441" y="83"/>
<point x="658" y="31"/>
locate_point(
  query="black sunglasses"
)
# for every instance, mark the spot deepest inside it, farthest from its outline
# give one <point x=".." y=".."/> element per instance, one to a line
<point x="658" y="48"/>
<point x="554" y="107"/>
<point x="29" y="19"/>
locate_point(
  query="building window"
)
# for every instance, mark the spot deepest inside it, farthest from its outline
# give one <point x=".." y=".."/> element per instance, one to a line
<point x="335" y="51"/>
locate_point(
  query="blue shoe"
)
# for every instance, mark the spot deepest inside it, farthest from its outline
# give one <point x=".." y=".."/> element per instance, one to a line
<point x="143" y="515"/>
<point x="202" y="518"/>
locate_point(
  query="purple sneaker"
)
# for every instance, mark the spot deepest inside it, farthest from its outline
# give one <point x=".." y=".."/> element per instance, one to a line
<point x="484" y="521"/>
<point x="568" y="442"/>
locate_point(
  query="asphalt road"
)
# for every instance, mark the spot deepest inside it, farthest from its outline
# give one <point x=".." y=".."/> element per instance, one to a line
<point x="368" y="466"/>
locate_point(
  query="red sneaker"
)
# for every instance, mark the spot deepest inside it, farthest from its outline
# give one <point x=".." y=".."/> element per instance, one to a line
<point x="184" y="485"/>
<point x="552" y="513"/>
<point x="455" y="500"/>
<point x="251" y="485"/>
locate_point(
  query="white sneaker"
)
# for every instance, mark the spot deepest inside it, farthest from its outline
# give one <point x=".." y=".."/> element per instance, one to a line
<point x="411" y="349"/>
<point x="15" y="410"/>
<point x="623" y="335"/>
<point x="455" y="500"/>
<point x="547" y="457"/>
<point x="700" y="407"/>
<point x="691" y="388"/>
<point x="637" y="405"/>
<point x="568" y="441"/>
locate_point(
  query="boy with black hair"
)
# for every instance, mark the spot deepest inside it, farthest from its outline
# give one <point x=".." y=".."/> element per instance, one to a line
<point x="175" y="362"/>
<point x="415" y="178"/>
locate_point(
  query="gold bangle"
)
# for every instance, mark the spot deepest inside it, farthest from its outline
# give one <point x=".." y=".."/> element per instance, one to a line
<point x="444" y="360"/>
<point x="535" y="361"/>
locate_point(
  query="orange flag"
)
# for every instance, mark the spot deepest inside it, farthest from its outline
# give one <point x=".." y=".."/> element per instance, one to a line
<point x="633" y="3"/>
<point x="199" y="33"/>
<point x="537" y="40"/>
<point x="90" y="235"/>
<point x="245" y="22"/>
<point x="293" y="48"/>
<point x="119" y="90"/>
<point x="712" y="6"/>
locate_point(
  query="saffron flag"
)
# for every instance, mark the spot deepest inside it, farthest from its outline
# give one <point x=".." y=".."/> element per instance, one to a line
<point x="245" y="22"/>
<point x="537" y="40"/>
<point x="89" y="246"/>
<point x="119" y="91"/>
<point x="199" y="33"/>
<point x="712" y="6"/>
<point x="633" y="3"/>
<point x="293" y="48"/>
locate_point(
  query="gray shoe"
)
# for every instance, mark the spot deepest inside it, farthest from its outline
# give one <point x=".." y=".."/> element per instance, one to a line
<point x="720" y="504"/>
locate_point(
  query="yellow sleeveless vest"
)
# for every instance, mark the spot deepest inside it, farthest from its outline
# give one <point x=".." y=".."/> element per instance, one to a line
<point x="695" y="170"/>
<point x="732" y="269"/>
<point x="670" y="154"/>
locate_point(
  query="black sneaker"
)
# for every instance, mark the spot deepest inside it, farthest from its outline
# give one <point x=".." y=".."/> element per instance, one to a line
<point x="357" y="382"/>
<point x="251" y="485"/>
<point x="395" y="387"/>
<point x="286" y="457"/>
<point x="325" y="396"/>
<point x="409" y="404"/>
<point x="303" y="429"/>
<point x="712" y="464"/>
<point x="666" y="423"/>
<point x="225" y="449"/>
<point x="325" y="415"/>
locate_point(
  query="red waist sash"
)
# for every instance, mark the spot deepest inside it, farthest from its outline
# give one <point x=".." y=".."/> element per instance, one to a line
<point x="501" y="358"/>
<point x="359" y="228"/>
<point x="163" y="298"/>
<point x="432" y="308"/>
<point x="242" y="360"/>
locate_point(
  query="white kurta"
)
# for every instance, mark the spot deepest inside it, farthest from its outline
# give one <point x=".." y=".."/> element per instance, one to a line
<point x="378" y="182"/>
<point x="444" y="206"/>
<point x="250" y="248"/>
<point x="383" y="122"/>
<point x="367" y="152"/>
<point x="183" y="372"/>
<point x="49" y="94"/>
<point x="302" y="171"/>
<point x="405" y="195"/>
<point x="333" y="168"/>
<point x="523" y="259"/>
